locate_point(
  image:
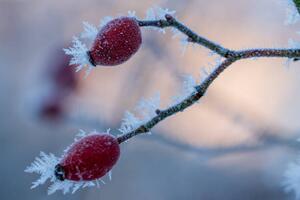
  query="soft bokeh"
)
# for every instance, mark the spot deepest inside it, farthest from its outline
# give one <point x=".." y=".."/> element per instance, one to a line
<point x="235" y="144"/>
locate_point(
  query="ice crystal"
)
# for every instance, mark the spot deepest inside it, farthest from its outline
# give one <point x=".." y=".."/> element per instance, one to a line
<point x="292" y="13"/>
<point x="145" y="111"/>
<point x="147" y="107"/>
<point x="131" y="13"/>
<point x="184" y="43"/>
<point x="293" y="44"/>
<point x="90" y="31"/>
<point x="104" y="21"/>
<point x="129" y="122"/>
<point x="291" y="181"/>
<point x="188" y="88"/>
<point x="157" y="13"/>
<point x="45" y="166"/>
<point x="79" y="55"/>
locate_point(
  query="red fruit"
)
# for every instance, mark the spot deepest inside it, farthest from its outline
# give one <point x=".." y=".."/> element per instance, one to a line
<point x="89" y="158"/>
<point x="116" y="42"/>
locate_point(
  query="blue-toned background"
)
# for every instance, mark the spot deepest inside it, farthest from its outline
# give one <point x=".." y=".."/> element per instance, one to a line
<point x="235" y="144"/>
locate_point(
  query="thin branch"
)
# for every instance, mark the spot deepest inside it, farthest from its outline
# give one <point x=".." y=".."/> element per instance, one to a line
<point x="230" y="56"/>
<point x="193" y="37"/>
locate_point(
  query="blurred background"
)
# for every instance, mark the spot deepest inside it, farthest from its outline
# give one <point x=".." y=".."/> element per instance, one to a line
<point x="235" y="144"/>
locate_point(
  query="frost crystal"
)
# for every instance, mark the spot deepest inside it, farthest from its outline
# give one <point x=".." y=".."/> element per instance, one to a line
<point x="291" y="181"/>
<point x="130" y="122"/>
<point x="292" y="13"/>
<point x="104" y="21"/>
<point x="147" y="107"/>
<point x="90" y="31"/>
<point x="79" y="55"/>
<point x="131" y="13"/>
<point x="145" y="111"/>
<point x="184" y="43"/>
<point x="293" y="44"/>
<point x="157" y="13"/>
<point x="188" y="87"/>
<point x="45" y="166"/>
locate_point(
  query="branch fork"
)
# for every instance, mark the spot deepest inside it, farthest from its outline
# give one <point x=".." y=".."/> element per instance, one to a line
<point x="230" y="56"/>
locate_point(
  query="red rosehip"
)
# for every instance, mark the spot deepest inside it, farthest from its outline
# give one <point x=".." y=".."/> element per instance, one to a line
<point x="89" y="158"/>
<point x="116" y="42"/>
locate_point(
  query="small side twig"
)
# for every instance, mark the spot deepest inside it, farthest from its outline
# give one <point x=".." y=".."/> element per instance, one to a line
<point x="230" y="56"/>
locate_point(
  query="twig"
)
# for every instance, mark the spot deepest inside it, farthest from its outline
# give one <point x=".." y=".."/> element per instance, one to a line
<point x="230" y="56"/>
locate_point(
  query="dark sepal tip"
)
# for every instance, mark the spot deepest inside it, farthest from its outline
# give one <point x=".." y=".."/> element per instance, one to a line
<point x="59" y="172"/>
<point x="91" y="58"/>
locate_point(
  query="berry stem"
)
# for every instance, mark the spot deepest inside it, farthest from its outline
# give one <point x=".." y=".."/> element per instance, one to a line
<point x="230" y="56"/>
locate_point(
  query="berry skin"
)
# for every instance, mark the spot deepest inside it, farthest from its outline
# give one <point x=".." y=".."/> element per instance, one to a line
<point x="89" y="158"/>
<point x="116" y="42"/>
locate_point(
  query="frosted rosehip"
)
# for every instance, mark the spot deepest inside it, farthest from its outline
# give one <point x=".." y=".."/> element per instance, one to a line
<point x="89" y="158"/>
<point x="116" y="42"/>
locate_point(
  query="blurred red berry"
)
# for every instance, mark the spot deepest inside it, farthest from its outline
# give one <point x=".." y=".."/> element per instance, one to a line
<point x="64" y="76"/>
<point x="63" y="82"/>
<point x="52" y="108"/>
<point x="89" y="158"/>
<point x="116" y="42"/>
<point x="60" y="73"/>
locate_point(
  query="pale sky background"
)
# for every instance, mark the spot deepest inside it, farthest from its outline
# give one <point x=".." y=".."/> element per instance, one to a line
<point x="236" y="143"/>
